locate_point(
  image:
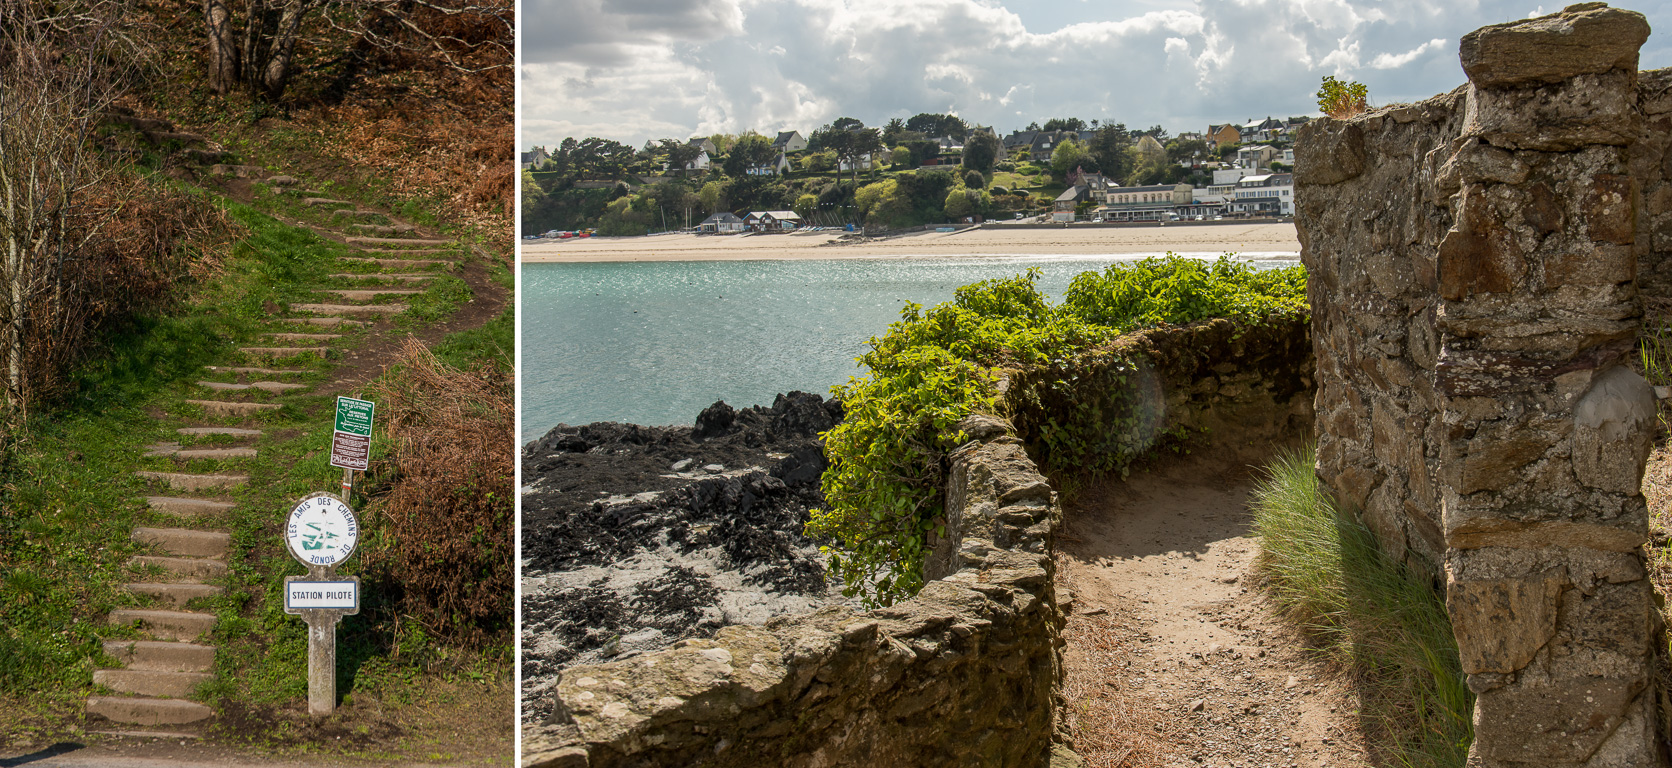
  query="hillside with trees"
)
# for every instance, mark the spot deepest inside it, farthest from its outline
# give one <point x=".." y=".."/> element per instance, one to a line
<point x="602" y="184"/>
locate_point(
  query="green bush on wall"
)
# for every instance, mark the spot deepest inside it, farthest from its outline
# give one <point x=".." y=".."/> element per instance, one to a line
<point x="883" y="489"/>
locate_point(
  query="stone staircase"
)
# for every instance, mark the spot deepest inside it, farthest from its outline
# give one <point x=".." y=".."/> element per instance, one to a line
<point x="160" y="674"/>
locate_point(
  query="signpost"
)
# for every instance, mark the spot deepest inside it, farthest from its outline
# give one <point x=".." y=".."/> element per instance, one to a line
<point x="320" y="533"/>
<point x="351" y="441"/>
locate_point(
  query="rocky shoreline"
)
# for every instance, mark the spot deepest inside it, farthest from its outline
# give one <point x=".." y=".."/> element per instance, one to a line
<point x="637" y="537"/>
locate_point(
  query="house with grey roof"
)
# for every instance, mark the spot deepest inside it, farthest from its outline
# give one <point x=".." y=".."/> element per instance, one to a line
<point x="789" y="142"/>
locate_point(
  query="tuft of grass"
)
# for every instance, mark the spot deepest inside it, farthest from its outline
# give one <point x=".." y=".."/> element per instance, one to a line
<point x="1368" y="613"/>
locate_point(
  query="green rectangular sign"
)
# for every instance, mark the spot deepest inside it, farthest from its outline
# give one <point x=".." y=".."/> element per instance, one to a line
<point x="354" y="417"/>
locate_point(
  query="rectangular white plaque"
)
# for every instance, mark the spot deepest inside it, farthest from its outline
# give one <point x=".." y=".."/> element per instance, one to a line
<point x="321" y="594"/>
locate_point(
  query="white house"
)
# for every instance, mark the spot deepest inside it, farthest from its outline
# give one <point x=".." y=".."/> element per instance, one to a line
<point x="866" y="163"/>
<point x="789" y="141"/>
<point x="1271" y="194"/>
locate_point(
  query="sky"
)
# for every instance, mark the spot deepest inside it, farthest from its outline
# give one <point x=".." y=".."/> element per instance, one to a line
<point x="638" y="70"/>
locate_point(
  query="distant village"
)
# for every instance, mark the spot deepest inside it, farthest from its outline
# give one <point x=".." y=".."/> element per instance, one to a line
<point x="1231" y="170"/>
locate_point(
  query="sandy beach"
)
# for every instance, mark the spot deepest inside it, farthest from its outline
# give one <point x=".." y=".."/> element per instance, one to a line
<point x="997" y="240"/>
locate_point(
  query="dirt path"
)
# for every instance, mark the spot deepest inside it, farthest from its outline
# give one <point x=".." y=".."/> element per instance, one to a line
<point x="1174" y="658"/>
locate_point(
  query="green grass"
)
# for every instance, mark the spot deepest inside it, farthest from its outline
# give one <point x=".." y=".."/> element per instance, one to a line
<point x="70" y="498"/>
<point x="1367" y="613"/>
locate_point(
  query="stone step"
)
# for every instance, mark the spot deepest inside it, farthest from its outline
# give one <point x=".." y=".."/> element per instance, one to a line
<point x="398" y="263"/>
<point x="219" y="431"/>
<point x="283" y="351"/>
<point x="404" y="252"/>
<point x="148" y="124"/>
<point x="148" y="711"/>
<point x="263" y="371"/>
<point x="189" y="482"/>
<point x="240" y="171"/>
<point x="205" y="156"/>
<point x="134" y="734"/>
<point x="184" y="542"/>
<point x="224" y="408"/>
<point x="166" y="625"/>
<point x="282" y="181"/>
<point x="146" y="682"/>
<point x="349" y="213"/>
<point x="183" y="137"/>
<point x="183" y="567"/>
<point x="405" y="278"/>
<point x="188" y="507"/>
<point x="371" y="294"/>
<point x="326" y="202"/>
<point x="351" y="309"/>
<point x="265" y="386"/>
<point x="383" y="229"/>
<point x="304" y="336"/>
<point x="395" y="241"/>
<point x="174" y="450"/>
<point x="156" y="656"/>
<point x="326" y="322"/>
<point x="176" y="595"/>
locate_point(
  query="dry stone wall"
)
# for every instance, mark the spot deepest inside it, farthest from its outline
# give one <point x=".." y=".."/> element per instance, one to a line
<point x="963" y="674"/>
<point x="1474" y="265"/>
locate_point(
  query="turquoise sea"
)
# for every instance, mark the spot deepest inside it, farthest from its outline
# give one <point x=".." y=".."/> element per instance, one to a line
<point x="656" y="342"/>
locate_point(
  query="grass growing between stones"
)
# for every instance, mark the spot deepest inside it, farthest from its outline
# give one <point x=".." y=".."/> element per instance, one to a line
<point x="1367" y="613"/>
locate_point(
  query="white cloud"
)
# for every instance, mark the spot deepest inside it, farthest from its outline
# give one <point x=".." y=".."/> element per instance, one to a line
<point x="1391" y="61"/>
<point x="633" y="70"/>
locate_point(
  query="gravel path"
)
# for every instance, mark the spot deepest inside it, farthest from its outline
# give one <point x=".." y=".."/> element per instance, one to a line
<point x="1173" y="657"/>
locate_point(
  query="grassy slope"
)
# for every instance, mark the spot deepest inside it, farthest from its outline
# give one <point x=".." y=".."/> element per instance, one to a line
<point x="78" y="500"/>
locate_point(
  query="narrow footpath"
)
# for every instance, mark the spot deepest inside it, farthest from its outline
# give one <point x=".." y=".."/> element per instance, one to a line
<point x="193" y="480"/>
<point x="1173" y="657"/>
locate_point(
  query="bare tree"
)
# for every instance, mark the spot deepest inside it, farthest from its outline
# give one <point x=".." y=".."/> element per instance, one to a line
<point x="254" y="42"/>
<point x="56" y="78"/>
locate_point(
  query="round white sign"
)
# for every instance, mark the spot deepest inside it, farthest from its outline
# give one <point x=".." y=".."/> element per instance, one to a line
<point x="321" y="530"/>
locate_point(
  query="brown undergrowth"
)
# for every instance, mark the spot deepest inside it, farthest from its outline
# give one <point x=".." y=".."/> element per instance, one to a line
<point x="137" y="246"/>
<point x="446" y="503"/>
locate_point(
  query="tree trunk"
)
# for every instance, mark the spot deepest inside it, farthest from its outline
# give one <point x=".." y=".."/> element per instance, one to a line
<point x="223" y="50"/>
<point x="277" y="73"/>
<point x="254" y="49"/>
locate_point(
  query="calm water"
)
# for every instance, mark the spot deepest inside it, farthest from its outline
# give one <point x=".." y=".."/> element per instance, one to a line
<point x="655" y="343"/>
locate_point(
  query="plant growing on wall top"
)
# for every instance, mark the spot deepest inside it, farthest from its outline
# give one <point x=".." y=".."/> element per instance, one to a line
<point x="1342" y="98"/>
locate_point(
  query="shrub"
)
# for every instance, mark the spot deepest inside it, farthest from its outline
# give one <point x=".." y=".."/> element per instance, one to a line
<point x="932" y="368"/>
<point x="447" y="510"/>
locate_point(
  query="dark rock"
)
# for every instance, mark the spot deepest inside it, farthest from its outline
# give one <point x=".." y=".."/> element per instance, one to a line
<point x="715" y="420"/>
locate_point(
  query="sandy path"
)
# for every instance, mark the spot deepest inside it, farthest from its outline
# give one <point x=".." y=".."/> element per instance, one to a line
<point x="994" y="240"/>
<point x="1173" y="659"/>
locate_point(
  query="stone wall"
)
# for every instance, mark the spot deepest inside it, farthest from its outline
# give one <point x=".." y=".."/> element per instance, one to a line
<point x="963" y="674"/>
<point x="1232" y="383"/>
<point x="1474" y="266"/>
<point x="966" y="672"/>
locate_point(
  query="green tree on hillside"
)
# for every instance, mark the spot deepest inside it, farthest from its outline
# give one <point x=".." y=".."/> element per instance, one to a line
<point x="1065" y="124"/>
<point x="935" y="125"/>
<point x="849" y="139"/>
<point x="711" y="195"/>
<point x="752" y="150"/>
<point x="679" y="155"/>
<point x="1110" y="148"/>
<point x="981" y="150"/>
<point x="1068" y="156"/>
